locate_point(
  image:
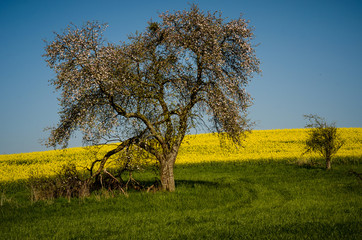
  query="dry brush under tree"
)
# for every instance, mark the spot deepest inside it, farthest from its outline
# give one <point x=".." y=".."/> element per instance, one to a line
<point x="148" y="92"/>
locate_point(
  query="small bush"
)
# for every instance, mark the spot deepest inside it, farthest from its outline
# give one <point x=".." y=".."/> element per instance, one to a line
<point x="67" y="183"/>
<point x="323" y="138"/>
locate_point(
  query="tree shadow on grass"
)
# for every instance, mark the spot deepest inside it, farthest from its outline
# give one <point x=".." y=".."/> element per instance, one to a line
<point x="309" y="163"/>
<point x="195" y="183"/>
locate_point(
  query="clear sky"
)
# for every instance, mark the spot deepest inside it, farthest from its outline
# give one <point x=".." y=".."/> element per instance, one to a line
<point x="310" y="52"/>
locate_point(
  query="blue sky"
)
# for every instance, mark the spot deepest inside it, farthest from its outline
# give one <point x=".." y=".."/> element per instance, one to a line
<point x="310" y="52"/>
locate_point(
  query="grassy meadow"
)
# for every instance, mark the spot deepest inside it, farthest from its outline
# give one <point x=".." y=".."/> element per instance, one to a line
<point x="264" y="190"/>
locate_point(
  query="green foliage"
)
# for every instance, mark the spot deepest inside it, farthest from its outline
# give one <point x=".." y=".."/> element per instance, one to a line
<point x="323" y="138"/>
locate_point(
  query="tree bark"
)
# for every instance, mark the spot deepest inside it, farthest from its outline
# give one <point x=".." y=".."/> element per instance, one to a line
<point x="166" y="173"/>
<point x="328" y="163"/>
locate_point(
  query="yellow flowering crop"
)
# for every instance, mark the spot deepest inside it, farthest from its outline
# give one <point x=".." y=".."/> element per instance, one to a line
<point x="262" y="144"/>
<point x="258" y="145"/>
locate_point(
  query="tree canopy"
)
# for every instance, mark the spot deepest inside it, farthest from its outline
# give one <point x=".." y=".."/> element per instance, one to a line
<point x="150" y="91"/>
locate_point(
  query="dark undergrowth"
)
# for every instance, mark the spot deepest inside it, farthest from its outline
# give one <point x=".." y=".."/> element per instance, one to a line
<point x="234" y="200"/>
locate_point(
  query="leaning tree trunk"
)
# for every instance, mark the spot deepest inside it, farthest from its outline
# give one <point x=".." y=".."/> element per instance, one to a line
<point x="166" y="172"/>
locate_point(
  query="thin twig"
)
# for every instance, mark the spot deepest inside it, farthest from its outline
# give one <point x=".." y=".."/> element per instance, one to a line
<point x="120" y="184"/>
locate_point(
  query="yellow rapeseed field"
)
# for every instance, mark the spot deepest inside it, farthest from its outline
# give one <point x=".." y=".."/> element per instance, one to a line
<point x="258" y="145"/>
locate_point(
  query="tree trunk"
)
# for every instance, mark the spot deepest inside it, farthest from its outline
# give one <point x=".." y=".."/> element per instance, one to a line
<point x="166" y="172"/>
<point x="328" y="163"/>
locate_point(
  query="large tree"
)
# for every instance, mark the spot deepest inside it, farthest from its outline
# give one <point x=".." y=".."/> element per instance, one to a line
<point x="150" y="90"/>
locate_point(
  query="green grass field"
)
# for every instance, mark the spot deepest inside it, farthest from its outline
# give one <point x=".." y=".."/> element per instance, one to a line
<point x="265" y="190"/>
<point x="216" y="200"/>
